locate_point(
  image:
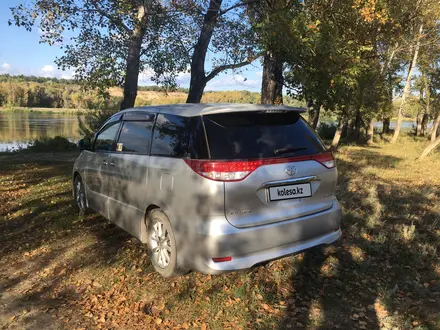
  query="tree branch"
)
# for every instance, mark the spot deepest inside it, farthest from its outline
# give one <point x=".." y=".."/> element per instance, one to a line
<point x="221" y="68"/>
<point x="114" y="20"/>
<point x="240" y="4"/>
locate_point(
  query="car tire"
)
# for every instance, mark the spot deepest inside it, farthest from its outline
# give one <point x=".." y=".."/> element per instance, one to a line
<point x="80" y="195"/>
<point x="161" y="245"/>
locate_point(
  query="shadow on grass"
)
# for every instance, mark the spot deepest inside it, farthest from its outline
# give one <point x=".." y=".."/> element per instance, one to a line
<point x="44" y="242"/>
<point x="382" y="271"/>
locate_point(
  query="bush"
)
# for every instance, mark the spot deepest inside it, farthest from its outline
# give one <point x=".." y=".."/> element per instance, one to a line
<point x="326" y="130"/>
<point x="57" y="144"/>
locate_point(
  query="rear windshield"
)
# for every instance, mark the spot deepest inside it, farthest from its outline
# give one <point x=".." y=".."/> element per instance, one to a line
<point x="253" y="135"/>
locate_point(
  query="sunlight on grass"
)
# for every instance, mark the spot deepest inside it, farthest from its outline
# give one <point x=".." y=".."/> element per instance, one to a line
<point x="330" y="267"/>
<point x="316" y="314"/>
<point x="407" y="232"/>
<point x="374" y="205"/>
<point x="357" y="254"/>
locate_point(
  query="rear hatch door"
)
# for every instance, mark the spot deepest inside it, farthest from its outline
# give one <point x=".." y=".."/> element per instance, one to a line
<point x="288" y="179"/>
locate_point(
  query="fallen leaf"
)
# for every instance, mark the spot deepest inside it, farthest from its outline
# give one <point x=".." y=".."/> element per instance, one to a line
<point x="265" y="306"/>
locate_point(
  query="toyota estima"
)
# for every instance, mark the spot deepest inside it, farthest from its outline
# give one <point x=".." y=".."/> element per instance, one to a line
<point x="211" y="187"/>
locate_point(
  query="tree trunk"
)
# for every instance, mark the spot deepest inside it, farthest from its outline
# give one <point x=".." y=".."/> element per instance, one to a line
<point x="344" y="130"/>
<point x="316" y="118"/>
<point x="198" y="76"/>
<point x="133" y="60"/>
<point x="350" y="128"/>
<point x="357" y="125"/>
<point x="132" y="73"/>
<point x="435" y="126"/>
<point x="424" y="124"/>
<point x="386" y="126"/>
<point x="407" y="86"/>
<point x="314" y="110"/>
<point x="338" y="134"/>
<point x="387" y="74"/>
<point x="311" y="111"/>
<point x="425" y="118"/>
<point x="370" y="131"/>
<point x="272" y="84"/>
<point x="418" y="123"/>
<point x="430" y="147"/>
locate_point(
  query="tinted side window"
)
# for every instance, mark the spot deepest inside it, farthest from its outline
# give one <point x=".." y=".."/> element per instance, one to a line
<point x="135" y="137"/>
<point x="253" y="135"/>
<point x="176" y="136"/>
<point x="197" y="143"/>
<point x="104" y="140"/>
<point x="171" y="136"/>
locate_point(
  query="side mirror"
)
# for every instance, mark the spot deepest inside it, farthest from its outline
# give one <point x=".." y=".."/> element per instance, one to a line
<point x="85" y="144"/>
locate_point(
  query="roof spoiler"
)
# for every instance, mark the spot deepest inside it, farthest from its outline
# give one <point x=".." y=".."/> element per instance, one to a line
<point x="251" y="108"/>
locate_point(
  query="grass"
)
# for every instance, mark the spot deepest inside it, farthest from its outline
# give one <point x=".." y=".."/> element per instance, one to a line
<point x="42" y="110"/>
<point x="61" y="271"/>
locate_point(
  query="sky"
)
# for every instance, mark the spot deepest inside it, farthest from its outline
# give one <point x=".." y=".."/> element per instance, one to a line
<point x="21" y="53"/>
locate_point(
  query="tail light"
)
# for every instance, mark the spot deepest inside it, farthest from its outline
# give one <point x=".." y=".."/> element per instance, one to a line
<point x="224" y="170"/>
<point x="325" y="159"/>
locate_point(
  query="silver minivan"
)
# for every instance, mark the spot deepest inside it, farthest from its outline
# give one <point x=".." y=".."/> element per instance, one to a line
<point x="211" y="187"/>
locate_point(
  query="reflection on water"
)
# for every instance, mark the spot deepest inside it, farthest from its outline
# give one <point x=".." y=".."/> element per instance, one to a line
<point x="406" y="125"/>
<point x="19" y="127"/>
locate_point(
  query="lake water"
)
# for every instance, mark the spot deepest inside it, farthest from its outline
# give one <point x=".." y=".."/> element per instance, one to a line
<point x="18" y="128"/>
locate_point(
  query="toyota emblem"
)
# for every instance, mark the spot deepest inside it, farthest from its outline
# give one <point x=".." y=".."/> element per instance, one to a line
<point x="291" y="170"/>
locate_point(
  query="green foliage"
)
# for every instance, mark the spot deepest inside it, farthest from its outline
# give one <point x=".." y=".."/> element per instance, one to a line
<point x="113" y="40"/>
<point x="23" y="78"/>
<point x="55" y="144"/>
<point x="90" y="122"/>
<point x="51" y="95"/>
<point x="326" y="130"/>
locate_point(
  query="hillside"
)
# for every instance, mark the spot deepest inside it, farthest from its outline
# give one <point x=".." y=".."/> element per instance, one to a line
<point x="38" y="92"/>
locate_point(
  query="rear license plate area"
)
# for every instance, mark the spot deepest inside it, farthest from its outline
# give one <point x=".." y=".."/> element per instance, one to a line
<point x="292" y="191"/>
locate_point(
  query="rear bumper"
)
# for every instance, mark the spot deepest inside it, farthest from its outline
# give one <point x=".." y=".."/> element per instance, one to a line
<point x="216" y="237"/>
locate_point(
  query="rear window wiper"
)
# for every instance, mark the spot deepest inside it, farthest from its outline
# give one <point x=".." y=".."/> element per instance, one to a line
<point x="287" y="150"/>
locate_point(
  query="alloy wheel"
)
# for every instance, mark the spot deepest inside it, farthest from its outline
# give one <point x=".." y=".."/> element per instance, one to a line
<point x="161" y="244"/>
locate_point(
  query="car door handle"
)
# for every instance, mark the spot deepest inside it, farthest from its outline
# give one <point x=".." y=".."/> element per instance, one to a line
<point x="112" y="164"/>
<point x="104" y="162"/>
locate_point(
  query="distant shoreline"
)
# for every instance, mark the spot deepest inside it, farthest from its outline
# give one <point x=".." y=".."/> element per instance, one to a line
<point x="42" y="110"/>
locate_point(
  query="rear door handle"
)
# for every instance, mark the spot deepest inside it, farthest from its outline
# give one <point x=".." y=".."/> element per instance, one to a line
<point x="112" y="164"/>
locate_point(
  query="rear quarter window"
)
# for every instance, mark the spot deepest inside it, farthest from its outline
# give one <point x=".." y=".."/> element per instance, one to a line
<point x="254" y="135"/>
<point x="179" y="137"/>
